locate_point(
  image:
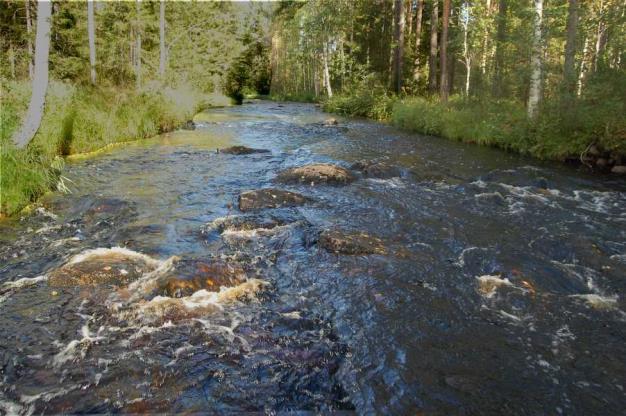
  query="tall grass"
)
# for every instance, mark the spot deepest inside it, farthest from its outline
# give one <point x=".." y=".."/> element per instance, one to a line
<point x="80" y="119"/>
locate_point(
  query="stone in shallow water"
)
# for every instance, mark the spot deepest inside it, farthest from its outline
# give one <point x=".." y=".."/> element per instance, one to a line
<point x="188" y="125"/>
<point x="269" y="198"/>
<point x="377" y="169"/>
<point x="341" y="242"/>
<point x="242" y="150"/>
<point x="316" y="173"/>
<point x="192" y="275"/>
<point x="116" y="266"/>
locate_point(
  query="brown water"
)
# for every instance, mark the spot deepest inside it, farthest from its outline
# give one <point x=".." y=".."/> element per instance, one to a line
<point x="502" y="290"/>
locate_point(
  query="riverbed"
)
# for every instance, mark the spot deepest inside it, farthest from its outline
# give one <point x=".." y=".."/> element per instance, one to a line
<point x="500" y="289"/>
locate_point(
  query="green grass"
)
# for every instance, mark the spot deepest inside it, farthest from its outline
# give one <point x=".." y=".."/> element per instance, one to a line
<point x="77" y="120"/>
<point x="559" y="133"/>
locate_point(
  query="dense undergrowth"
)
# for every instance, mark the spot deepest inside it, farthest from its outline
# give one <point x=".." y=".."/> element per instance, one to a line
<point x="561" y="132"/>
<point x="80" y="119"/>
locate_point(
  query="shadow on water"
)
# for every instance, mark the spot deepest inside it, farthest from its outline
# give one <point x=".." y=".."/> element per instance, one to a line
<point x="500" y="288"/>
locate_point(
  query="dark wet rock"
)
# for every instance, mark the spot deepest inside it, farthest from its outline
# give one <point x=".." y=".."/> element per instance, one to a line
<point x="102" y="267"/>
<point x="619" y="169"/>
<point x="337" y="241"/>
<point x="315" y="174"/>
<point x="602" y="163"/>
<point x="188" y="125"/>
<point x="249" y="222"/>
<point x="331" y="122"/>
<point x="594" y="151"/>
<point x="377" y="169"/>
<point x="191" y="275"/>
<point x="242" y="150"/>
<point x="269" y="198"/>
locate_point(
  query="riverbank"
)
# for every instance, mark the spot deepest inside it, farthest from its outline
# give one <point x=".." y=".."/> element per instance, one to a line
<point x="79" y="120"/>
<point x="592" y="133"/>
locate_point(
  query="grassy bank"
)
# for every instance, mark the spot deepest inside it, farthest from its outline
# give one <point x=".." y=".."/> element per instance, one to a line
<point x="560" y="133"/>
<point x="77" y="120"/>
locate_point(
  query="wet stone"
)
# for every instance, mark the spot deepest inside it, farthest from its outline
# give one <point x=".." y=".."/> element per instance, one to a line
<point x="619" y="169"/>
<point x="192" y="275"/>
<point x="269" y="198"/>
<point x="316" y="173"/>
<point x="106" y="268"/>
<point x="188" y="125"/>
<point x="249" y="222"/>
<point x="331" y="122"/>
<point x="375" y="169"/>
<point x="341" y="242"/>
<point x="242" y="150"/>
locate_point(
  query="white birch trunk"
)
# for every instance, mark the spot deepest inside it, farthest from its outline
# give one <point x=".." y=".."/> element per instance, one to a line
<point x="40" y="77"/>
<point x="329" y="89"/>
<point x="534" y="96"/>
<point x="138" y="46"/>
<point x="163" y="52"/>
<point x="92" y="40"/>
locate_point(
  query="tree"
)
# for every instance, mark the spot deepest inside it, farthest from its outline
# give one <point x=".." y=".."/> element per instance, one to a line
<point x="40" y="76"/>
<point x="534" y="96"/>
<point x="92" y="40"/>
<point x="498" y="80"/>
<point x="398" y="55"/>
<point x="432" y="60"/>
<point x="138" y="44"/>
<point x="162" y="50"/>
<point x="467" y="60"/>
<point x="29" y="25"/>
<point x="569" y="71"/>
<point x="418" y="38"/>
<point x="444" y="87"/>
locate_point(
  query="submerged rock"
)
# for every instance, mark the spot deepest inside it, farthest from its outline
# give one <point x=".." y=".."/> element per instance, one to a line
<point x="115" y="266"/>
<point x="336" y="241"/>
<point x="330" y="122"/>
<point x="619" y="169"/>
<point x="188" y="125"/>
<point x="316" y="173"/>
<point x="269" y="198"/>
<point x="377" y="169"/>
<point x="242" y="150"/>
<point x="191" y="275"/>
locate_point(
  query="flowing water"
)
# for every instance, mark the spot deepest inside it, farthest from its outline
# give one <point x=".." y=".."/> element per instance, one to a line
<point x="501" y="290"/>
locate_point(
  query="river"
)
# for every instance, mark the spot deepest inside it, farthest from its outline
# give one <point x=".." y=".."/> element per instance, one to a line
<point x="501" y="289"/>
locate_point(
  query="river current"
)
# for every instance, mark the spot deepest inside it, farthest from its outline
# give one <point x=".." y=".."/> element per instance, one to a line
<point x="501" y="289"/>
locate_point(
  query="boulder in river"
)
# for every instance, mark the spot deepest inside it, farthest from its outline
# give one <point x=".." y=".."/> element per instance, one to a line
<point x="337" y="241"/>
<point x="102" y="266"/>
<point x="188" y="125"/>
<point x="316" y="173"/>
<point x="191" y="275"/>
<point x="242" y="150"/>
<point x="269" y="198"/>
<point x="375" y="169"/>
<point x="330" y="122"/>
<point x="619" y="169"/>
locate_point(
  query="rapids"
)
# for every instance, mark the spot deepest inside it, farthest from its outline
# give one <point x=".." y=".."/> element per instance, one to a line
<point x="500" y="288"/>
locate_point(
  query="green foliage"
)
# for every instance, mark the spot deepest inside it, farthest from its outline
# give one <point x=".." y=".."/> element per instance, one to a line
<point x="366" y="99"/>
<point x="77" y="120"/>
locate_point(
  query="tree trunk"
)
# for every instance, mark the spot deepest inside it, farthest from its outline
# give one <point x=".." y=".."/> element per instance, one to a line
<point x="583" y="68"/>
<point x="534" y="96"/>
<point x="40" y="77"/>
<point x="92" y="40"/>
<point x="12" y="59"/>
<point x="138" y="45"/>
<point x="29" y="30"/>
<point x="600" y="37"/>
<point x="569" y="71"/>
<point x="418" y="38"/>
<point x="409" y="19"/>
<point x="444" y="86"/>
<point x="483" y="60"/>
<point x="498" y="78"/>
<point x="465" y="18"/>
<point x="432" y="60"/>
<point x="398" y="56"/>
<point x="162" y="52"/>
<point x="329" y="89"/>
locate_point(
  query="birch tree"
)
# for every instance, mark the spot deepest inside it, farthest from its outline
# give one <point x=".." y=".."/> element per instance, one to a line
<point x="534" y="96"/>
<point x="92" y="40"/>
<point x="29" y="30"/>
<point x="40" y="77"/>
<point x="162" y="50"/>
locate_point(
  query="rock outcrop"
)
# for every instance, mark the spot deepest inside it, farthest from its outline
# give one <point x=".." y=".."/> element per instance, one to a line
<point x="269" y="198"/>
<point x="375" y="169"/>
<point x="337" y="241"/>
<point x="320" y="173"/>
<point x="242" y="150"/>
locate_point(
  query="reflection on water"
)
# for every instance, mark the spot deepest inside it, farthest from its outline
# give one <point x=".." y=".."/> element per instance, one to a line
<point x="500" y="289"/>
